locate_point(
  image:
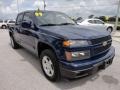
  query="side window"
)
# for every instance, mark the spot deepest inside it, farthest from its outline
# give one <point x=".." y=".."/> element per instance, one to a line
<point x="28" y="18"/>
<point x="11" y="21"/>
<point x="98" y="22"/>
<point x="19" y="19"/>
<point x="5" y="21"/>
<point x="1" y="21"/>
<point x="91" y="21"/>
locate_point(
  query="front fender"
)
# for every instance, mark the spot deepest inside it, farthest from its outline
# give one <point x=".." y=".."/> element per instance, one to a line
<point x="55" y="43"/>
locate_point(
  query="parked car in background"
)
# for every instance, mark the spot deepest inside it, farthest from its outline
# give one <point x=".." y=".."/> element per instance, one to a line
<point x="3" y="24"/>
<point x="97" y="23"/>
<point x="10" y="22"/>
<point x="6" y="23"/>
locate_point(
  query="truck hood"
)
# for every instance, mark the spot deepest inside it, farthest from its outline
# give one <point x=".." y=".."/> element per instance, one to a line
<point x="75" y="32"/>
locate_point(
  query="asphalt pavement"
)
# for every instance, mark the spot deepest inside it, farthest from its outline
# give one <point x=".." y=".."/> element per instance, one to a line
<point x="20" y="70"/>
<point x="116" y="36"/>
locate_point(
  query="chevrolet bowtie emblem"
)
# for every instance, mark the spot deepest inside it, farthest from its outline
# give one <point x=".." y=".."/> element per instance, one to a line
<point x="105" y="43"/>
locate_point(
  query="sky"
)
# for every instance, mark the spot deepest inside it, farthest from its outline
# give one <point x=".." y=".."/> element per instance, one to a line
<point x="74" y="8"/>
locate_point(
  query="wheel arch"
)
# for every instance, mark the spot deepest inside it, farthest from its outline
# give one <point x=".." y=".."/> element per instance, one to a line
<point x="4" y="25"/>
<point x="42" y="46"/>
<point x="110" y="27"/>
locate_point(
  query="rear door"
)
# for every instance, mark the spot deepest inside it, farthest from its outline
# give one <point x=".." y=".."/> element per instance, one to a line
<point x="28" y="35"/>
<point x="17" y="28"/>
<point x="100" y="24"/>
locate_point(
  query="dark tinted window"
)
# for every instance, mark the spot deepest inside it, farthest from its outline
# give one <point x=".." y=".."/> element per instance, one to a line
<point x="98" y="22"/>
<point x="28" y="18"/>
<point x="91" y="21"/>
<point x="1" y="21"/>
<point x="19" y="18"/>
<point x="5" y="21"/>
<point x="11" y="21"/>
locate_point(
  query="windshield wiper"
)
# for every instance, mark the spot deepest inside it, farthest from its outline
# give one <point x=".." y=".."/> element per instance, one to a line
<point x="49" y="25"/>
<point x="67" y="24"/>
<point x="57" y="24"/>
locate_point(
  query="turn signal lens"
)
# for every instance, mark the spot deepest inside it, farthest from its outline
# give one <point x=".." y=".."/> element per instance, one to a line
<point x="66" y="43"/>
<point x="75" y="43"/>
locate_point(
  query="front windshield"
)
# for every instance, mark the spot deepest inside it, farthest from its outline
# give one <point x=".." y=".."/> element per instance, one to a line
<point x="54" y="18"/>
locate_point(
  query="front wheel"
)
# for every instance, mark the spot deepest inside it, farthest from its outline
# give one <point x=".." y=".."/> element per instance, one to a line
<point x="110" y="29"/>
<point x="50" y="65"/>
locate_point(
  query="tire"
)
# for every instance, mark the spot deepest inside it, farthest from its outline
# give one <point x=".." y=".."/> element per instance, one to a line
<point x="110" y="29"/>
<point x="49" y="65"/>
<point x="13" y="43"/>
<point x="4" y="27"/>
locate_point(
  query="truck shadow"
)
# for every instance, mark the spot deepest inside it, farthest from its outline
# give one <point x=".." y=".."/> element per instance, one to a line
<point x="110" y="79"/>
<point x="64" y="83"/>
<point x="69" y="84"/>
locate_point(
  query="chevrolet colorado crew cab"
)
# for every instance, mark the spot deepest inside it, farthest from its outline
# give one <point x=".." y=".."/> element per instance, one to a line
<point x="64" y="48"/>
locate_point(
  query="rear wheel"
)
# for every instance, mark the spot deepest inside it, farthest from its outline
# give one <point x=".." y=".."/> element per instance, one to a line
<point x="50" y="65"/>
<point x="4" y="27"/>
<point x="13" y="43"/>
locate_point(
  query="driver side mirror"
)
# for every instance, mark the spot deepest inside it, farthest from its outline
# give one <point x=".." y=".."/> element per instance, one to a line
<point x="26" y="24"/>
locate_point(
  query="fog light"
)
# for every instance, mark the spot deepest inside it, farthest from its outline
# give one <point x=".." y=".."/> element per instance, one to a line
<point x="78" y="54"/>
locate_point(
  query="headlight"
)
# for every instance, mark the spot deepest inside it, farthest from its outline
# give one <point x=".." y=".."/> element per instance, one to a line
<point x="75" y="43"/>
<point x="80" y="55"/>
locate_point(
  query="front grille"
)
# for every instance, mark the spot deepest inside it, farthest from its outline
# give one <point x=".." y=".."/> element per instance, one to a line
<point x="100" y="49"/>
<point x="100" y="40"/>
<point x="98" y="46"/>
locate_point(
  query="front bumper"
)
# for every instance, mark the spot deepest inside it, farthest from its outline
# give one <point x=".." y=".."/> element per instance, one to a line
<point x="83" y="68"/>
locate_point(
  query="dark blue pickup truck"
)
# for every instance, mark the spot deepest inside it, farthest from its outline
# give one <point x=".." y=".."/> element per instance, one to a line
<point x="63" y="47"/>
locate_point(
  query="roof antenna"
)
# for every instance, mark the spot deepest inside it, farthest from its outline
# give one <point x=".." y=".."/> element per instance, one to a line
<point x="44" y="4"/>
<point x="18" y="6"/>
